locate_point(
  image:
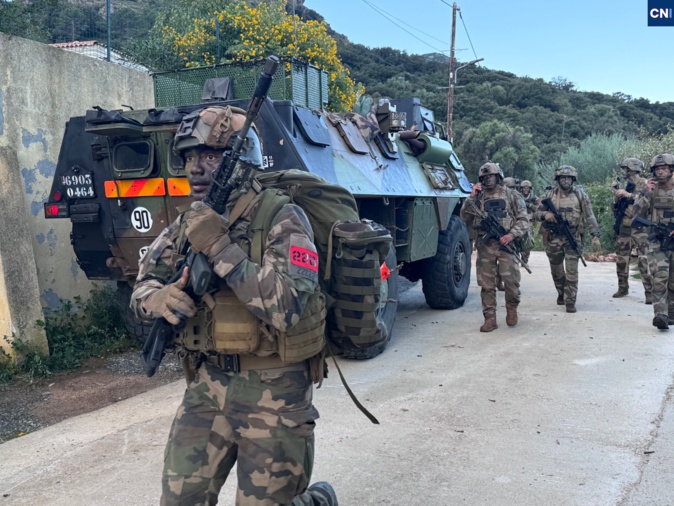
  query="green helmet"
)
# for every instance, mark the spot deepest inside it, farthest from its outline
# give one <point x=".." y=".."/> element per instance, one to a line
<point x="664" y="159"/>
<point x="566" y="170"/>
<point x="526" y="184"/>
<point x="216" y="127"/>
<point x="490" y="168"/>
<point x="632" y="164"/>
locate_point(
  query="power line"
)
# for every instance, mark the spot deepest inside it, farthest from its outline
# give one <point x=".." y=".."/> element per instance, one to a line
<point x="417" y="29"/>
<point x="376" y="9"/>
<point x="464" y="27"/>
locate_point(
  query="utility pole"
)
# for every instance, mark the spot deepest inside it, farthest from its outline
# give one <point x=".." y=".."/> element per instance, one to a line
<point x="450" y="93"/>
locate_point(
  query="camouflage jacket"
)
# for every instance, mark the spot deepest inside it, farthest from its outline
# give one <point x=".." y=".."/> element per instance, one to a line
<point x="640" y="184"/>
<point x="515" y="220"/>
<point x="575" y="207"/>
<point x="662" y="212"/>
<point x="276" y="291"/>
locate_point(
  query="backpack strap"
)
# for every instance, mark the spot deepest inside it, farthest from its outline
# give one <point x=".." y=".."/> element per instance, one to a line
<point x="271" y="202"/>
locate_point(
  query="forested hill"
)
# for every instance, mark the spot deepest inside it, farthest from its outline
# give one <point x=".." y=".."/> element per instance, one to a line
<point x="519" y="121"/>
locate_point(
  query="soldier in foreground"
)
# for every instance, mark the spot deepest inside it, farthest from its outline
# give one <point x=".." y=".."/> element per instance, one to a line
<point x="656" y="202"/>
<point x="245" y="405"/>
<point x="574" y="214"/>
<point x="530" y="200"/>
<point x="492" y="198"/>
<point x="626" y="237"/>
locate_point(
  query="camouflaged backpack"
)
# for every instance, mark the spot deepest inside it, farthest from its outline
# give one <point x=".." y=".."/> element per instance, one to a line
<point x="351" y="251"/>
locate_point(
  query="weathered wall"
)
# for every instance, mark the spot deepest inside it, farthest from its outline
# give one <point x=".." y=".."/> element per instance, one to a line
<point x="40" y="88"/>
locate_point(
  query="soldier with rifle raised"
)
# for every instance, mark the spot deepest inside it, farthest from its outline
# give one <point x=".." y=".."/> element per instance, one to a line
<point x="566" y="211"/>
<point x="656" y="202"/>
<point x="499" y="217"/>
<point x="628" y="238"/>
<point x="254" y="339"/>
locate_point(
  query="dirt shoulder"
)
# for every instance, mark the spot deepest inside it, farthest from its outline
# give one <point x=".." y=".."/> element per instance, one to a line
<point x="28" y="406"/>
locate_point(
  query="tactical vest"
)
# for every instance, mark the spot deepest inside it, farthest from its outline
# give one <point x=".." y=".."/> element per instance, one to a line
<point x="499" y="202"/>
<point x="662" y="205"/>
<point x="639" y="183"/>
<point x="223" y="323"/>
<point x="570" y="206"/>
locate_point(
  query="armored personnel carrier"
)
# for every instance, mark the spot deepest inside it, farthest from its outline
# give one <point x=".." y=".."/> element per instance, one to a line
<point x="119" y="183"/>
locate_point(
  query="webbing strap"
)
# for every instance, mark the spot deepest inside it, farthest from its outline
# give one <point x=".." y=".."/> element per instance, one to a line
<point x="328" y="264"/>
<point x="356" y="290"/>
<point x="358" y="272"/>
<point x="271" y="204"/>
<point x="363" y="409"/>
<point x="355" y="306"/>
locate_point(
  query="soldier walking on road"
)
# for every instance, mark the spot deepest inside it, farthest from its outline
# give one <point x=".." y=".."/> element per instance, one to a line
<point x="629" y="238"/>
<point x="656" y="202"/>
<point x="491" y="197"/>
<point x="574" y="206"/>
<point x="530" y="200"/>
<point x="247" y="403"/>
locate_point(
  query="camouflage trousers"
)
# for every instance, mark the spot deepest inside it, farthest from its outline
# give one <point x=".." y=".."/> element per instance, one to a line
<point x="563" y="266"/>
<point x="261" y="420"/>
<point x="660" y="264"/>
<point x="625" y="241"/>
<point x="492" y="262"/>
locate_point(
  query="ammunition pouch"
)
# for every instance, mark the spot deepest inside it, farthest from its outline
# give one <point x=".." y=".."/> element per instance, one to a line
<point x="525" y="243"/>
<point x="663" y="202"/>
<point x="307" y="338"/>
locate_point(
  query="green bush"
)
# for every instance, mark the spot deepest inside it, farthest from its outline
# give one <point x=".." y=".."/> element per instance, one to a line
<point x="76" y="331"/>
<point x="601" y="199"/>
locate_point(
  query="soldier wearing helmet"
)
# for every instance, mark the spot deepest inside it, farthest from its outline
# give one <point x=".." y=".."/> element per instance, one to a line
<point x="526" y="189"/>
<point x="248" y="400"/>
<point x="574" y="206"/>
<point x="656" y="202"/>
<point x="630" y="238"/>
<point x="491" y="197"/>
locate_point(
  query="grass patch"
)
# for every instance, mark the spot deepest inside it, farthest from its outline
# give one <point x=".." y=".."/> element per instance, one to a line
<point x="78" y="330"/>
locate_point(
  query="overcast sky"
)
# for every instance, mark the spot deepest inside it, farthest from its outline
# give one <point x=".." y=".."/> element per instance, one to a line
<point x="600" y="45"/>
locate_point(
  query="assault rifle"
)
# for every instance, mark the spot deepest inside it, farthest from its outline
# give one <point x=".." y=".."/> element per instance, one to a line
<point x="623" y="203"/>
<point x="661" y="232"/>
<point x="562" y="227"/>
<point x="493" y="229"/>
<point x="232" y="173"/>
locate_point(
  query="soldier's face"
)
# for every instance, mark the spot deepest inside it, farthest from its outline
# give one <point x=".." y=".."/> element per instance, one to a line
<point x="200" y="163"/>
<point x="526" y="191"/>
<point x="488" y="181"/>
<point x="663" y="173"/>
<point x="565" y="182"/>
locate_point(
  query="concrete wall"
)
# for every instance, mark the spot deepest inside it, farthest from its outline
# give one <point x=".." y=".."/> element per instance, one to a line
<point x="40" y="88"/>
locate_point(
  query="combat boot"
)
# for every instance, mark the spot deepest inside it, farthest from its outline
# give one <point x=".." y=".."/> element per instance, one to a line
<point x="622" y="291"/>
<point x="511" y="315"/>
<point x="649" y="298"/>
<point x="489" y="322"/>
<point x="560" y="299"/>
<point x="670" y="317"/>
<point x="322" y="494"/>
<point x="500" y="286"/>
<point x="661" y="321"/>
<point x="570" y="307"/>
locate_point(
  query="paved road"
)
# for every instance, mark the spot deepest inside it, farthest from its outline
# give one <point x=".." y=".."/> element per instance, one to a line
<point x="560" y="410"/>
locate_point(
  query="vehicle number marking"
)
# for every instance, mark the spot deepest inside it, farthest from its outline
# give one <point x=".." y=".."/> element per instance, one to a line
<point x="267" y="161"/>
<point x="141" y="219"/>
<point x="78" y="185"/>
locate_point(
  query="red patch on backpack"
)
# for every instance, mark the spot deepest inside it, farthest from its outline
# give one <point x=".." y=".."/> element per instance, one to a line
<point x="303" y="257"/>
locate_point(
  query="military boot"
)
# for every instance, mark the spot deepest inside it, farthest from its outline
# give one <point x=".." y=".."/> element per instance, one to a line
<point x="511" y="315"/>
<point x="500" y="286"/>
<point x="661" y="321"/>
<point x="649" y="298"/>
<point x="570" y="306"/>
<point x="322" y="494"/>
<point x="489" y="322"/>
<point x="560" y="299"/>
<point x="622" y="291"/>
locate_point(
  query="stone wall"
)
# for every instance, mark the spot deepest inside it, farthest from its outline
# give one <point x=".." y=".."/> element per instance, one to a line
<point x="40" y="88"/>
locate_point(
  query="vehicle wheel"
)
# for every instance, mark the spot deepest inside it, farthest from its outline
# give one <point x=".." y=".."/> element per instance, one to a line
<point x="386" y="314"/>
<point x="446" y="276"/>
<point x="136" y="329"/>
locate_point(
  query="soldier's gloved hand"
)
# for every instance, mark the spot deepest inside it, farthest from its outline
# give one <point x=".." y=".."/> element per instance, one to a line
<point x="550" y="217"/>
<point x="596" y="242"/>
<point x="623" y="193"/>
<point x="207" y="231"/>
<point x="170" y="302"/>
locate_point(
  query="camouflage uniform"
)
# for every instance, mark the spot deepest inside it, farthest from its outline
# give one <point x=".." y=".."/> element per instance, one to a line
<point x="260" y="417"/>
<point x="492" y="258"/>
<point x="532" y="205"/>
<point x="628" y="238"/>
<point x="574" y="205"/>
<point x="658" y="206"/>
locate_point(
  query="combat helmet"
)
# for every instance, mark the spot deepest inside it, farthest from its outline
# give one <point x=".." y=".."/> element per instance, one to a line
<point x="216" y="127"/>
<point x="632" y="165"/>
<point x="510" y="182"/>
<point x="566" y="170"/>
<point x="490" y="168"/>
<point x="664" y="159"/>
<point x="526" y="184"/>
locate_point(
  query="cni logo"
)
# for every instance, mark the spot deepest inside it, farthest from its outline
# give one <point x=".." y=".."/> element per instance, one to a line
<point x="660" y="12"/>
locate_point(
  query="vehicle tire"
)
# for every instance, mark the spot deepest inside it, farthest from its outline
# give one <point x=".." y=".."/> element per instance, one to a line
<point x="386" y="314"/>
<point x="136" y="329"/>
<point x="446" y="276"/>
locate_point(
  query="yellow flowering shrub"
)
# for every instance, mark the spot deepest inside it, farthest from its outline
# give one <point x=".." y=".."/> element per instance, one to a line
<point x="251" y="33"/>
